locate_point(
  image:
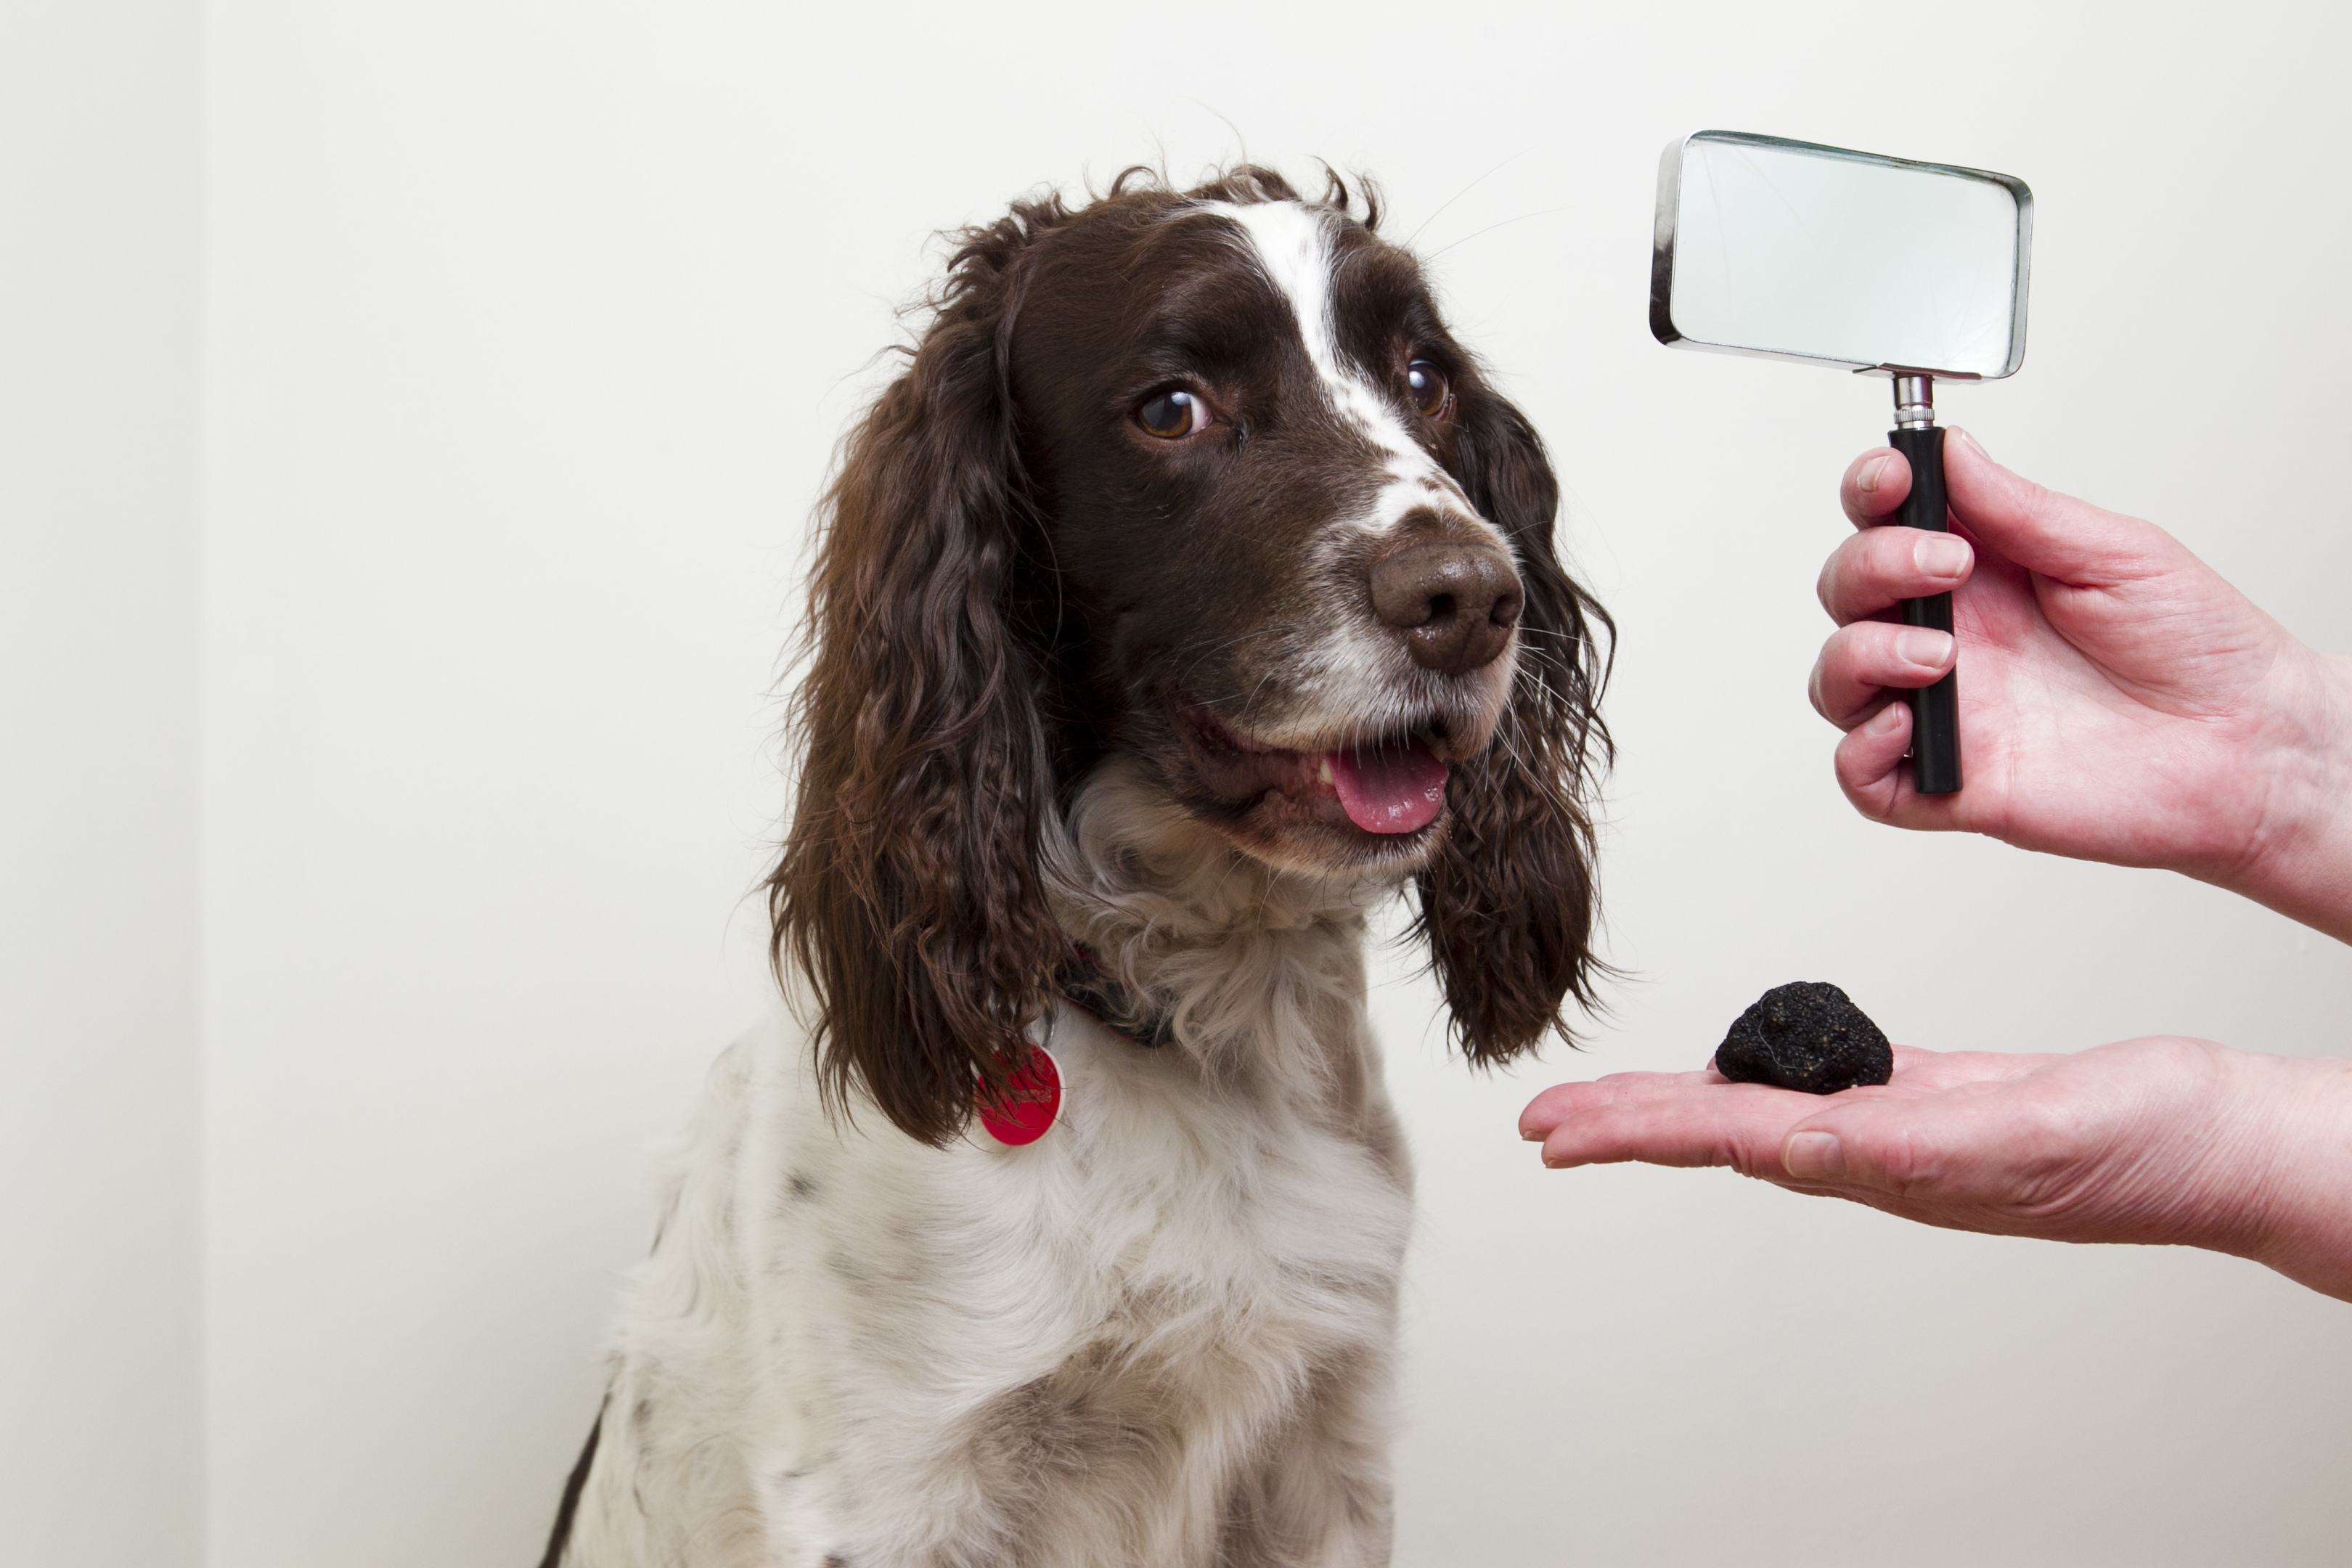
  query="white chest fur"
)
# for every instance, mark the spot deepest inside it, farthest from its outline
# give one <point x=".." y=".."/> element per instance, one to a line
<point x="1162" y="1334"/>
<point x="1082" y="1351"/>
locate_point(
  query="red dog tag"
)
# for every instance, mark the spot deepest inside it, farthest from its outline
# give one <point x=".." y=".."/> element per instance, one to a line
<point x="1030" y="1103"/>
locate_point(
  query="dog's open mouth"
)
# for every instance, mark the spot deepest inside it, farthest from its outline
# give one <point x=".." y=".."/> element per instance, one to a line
<point x="1391" y="784"/>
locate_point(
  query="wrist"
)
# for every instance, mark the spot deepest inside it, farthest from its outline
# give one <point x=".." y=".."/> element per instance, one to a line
<point x="2300" y="861"/>
<point x="2285" y="1200"/>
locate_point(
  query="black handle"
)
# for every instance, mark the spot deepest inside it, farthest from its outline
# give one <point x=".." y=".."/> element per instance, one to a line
<point x="1935" y="709"/>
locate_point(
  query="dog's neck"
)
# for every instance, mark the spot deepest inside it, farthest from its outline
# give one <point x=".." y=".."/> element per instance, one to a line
<point x="1250" y="969"/>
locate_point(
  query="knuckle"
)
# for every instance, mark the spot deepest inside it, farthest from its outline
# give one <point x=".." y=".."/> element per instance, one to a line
<point x="1862" y="653"/>
<point x="1906" y="1164"/>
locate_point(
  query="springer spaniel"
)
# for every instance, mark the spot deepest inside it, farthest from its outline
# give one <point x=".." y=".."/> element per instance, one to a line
<point x="1189" y="593"/>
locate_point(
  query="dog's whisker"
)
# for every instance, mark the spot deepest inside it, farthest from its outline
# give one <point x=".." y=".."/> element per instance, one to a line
<point x="1465" y="191"/>
<point x="1523" y="217"/>
<point x="1235" y="641"/>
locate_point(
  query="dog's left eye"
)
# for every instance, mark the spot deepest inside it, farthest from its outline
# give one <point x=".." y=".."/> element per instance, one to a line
<point x="1173" y="413"/>
<point x="1427" y="385"/>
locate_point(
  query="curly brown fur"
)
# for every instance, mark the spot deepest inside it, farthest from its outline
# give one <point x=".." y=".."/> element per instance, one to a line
<point x="908" y="887"/>
<point x="1508" y="902"/>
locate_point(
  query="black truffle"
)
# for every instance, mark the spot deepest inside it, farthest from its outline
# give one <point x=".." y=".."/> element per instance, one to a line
<point x="1807" y="1036"/>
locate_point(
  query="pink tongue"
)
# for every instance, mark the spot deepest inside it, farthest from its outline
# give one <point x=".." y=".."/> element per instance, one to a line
<point x="1389" y="788"/>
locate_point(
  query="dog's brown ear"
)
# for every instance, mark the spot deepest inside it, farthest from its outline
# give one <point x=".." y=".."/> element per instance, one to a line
<point x="908" y="891"/>
<point x="1508" y="903"/>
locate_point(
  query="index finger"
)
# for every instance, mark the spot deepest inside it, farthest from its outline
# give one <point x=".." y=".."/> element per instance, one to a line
<point x="1741" y="1125"/>
<point x="1562" y="1101"/>
<point x="1874" y="486"/>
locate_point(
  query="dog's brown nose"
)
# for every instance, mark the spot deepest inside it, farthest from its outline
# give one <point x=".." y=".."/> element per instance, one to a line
<point x="1454" y="602"/>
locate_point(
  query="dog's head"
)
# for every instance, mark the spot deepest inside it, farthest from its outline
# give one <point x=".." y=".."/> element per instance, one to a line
<point x="1200" y="479"/>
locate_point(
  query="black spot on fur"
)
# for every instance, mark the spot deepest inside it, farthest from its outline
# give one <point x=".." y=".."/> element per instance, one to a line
<point x="802" y="1186"/>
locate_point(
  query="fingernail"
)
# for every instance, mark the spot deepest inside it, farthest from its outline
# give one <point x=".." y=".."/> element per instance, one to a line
<point x="1923" y="646"/>
<point x="1813" y="1154"/>
<point x="1872" y="472"/>
<point x="1976" y="445"/>
<point x="1886" y="721"/>
<point x="1941" y="555"/>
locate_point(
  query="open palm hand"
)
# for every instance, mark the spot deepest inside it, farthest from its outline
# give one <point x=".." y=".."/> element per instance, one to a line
<point x="2160" y="1140"/>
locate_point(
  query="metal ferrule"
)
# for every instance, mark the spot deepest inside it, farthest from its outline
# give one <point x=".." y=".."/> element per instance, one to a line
<point x="1914" y="401"/>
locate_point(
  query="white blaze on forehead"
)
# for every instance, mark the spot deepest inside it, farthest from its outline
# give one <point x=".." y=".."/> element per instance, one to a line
<point x="1294" y="250"/>
<point x="1292" y="245"/>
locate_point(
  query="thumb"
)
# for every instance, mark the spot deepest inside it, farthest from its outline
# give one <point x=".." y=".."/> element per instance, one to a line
<point x="2055" y="535"/>
<point x="1894" y="1146"/>
<point x="1813" y="1154"/>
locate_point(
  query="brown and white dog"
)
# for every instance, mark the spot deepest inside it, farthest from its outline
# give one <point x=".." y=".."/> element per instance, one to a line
<point x="1190" y="593"/>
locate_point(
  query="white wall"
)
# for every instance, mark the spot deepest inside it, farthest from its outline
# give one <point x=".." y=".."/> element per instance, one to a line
<point x="98" y="1347"/>
<point x="528" y="331"/>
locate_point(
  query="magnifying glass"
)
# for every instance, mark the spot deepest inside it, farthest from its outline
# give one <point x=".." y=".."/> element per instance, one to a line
<point x="1883" y="265"/>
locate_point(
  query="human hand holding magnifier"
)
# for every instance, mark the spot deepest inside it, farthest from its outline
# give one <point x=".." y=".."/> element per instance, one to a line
<point x="1882" y="266"/>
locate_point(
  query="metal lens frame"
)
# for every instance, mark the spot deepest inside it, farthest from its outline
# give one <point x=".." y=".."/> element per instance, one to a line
<point x="1662" y="259"/>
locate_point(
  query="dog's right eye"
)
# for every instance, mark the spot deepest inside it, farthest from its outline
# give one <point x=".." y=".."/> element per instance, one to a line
<point x="1173" y="413"/>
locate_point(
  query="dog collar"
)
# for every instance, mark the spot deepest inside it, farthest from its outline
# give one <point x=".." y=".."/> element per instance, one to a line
<point x="1031" y="1099"/>
<point x="1112" y="1005"/>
